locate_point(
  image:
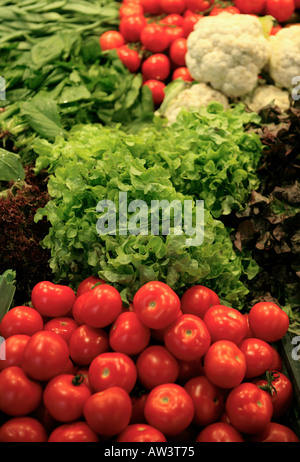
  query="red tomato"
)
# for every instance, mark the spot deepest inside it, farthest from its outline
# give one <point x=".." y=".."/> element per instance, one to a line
<point x="23" y="430"/>
<point x="75" y="432"/>
<point x="88" y="283"/>
<point x="154" y="38"/>
<point x="68" y="368"/>
<point x="156" y="305"/>
<point x="189" y="370"/>
<point x="225" y="364"/>
<point x="249" y="408"/>
<point x="102" y="306"/>
<point x="258" y="356"/>
<point x="249" y="333"/>
<point x="110" y="40"/>
<point x="281" y="10"/>
<point x="281" y="395"/>
<point x="173" y="6"/>
<point x="77" y="308"/>
<point x="182" y="73"/>
<point x="19" y="395"/>
<point x="108" y="412"/>
<point x="64" y="397"/>
<point x="225" y="323"/>
<point x="172" y="20"/>
<point x="159" y="334"/>
<point x="157" y="89"/>
<point x="156" y="67"/>
<point x="21" y="320"/>
<point x="268" y="321"/>
<point x="141" y="433"/>
<point x="128" y="335"/>
<point x="151" y="7"/>
<point x="189" y="23"/>
<point x="197" y="300"/>
<point x="52" y="300"/>
<point x="63" y="326"/>
<point x="197" y="6"/>
<point x="155" y="366"/>
<point x="276" y="433"/>
<point x="84" y="372"/>
<point x="250" y="6"/>
<point x="43" y="416"/>
<point x="132" y="26"/>
<point x="45" y="355"/>
<point x="297" y="3"/>
<point x="174" y="33"/>
<point x="207" y="398"/>
<point x="275" y="29"/>
<point x="187" y="338"/>
<point x="14" y="347"/>
<point x="230" y="9"/>
<point x="138" y="406"/>
<point x="130" y="58"/>
<point x="219" y="432"/>
<point x="169" y="408"/>
<point x="178" y="50"/>
<point x="277" y="363"/>
<point x="86" y="343"/>
<point x="112" y="370"/>
<point x="130" y="9"/>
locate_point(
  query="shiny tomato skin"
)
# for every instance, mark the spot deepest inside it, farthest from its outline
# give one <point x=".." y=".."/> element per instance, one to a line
<point x="45" y="355"/>
<point x="77" y="308"/>
<point x="174" y="33"/>
<point x="157" y="89"/>
<point x="250" y="6"/>
<point x="173" y="6"/>
<point x="108" y="412"/>
<point x="277" y="363"/>
<point x="112" y="370"/>
<point x="23" y="430"/>
<point x="19" y="395"/>
<point x="282" y="396"/>
<point x="102" y="306"/>
<point x="64" y="397"/>
<point x="188" y="24"/>
<point x="131" y="27"/>
<point x="225" y="323"/>
<point x="182" y="73"/>
<point x="156" y="305"/>
<point x="69" y="368"/>
<point x="154" y="38"/>
<point x="128" y="335"/>
<point x="110" y="40"/>
<point x="21" y="320"/>
<point x="258" y="356"/>
<point x="249" y="333"/>
<point x="14" y="347"/>
<point x="130" y="58"/>
<point x="74" y="432"/>
<point x="229" y="9"/>
<point x="157" y="66"/>
<point x="225" y="364"/>
<point x="268" y="321"/>
<point x="52" y="300"/>
<point x="86" y="343"/>
<point x="141" y="433"/>
<point x="155" y="366"/>
<point x="63" y="326"/>
<point x="276" y="433"/>
<point x="197" y="6"/>
<point x="207" y="398"/>
<point x="249" y="408"/>
<point x="169" y="408"/>
<point x="130" y="9"/>
<point x="219" y="432"/>
<point x="88" y="283"/>
<point x="197" y="300"/>
<point x="281" y="10"/>
<point x="173" y="19"/>
<point x="187" y="338"/>
<point x="178" y="50"/>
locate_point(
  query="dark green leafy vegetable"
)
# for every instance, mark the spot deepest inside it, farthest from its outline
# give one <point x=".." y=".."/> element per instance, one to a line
<point x="7" y="291"/>
<point x="10" y="166"/>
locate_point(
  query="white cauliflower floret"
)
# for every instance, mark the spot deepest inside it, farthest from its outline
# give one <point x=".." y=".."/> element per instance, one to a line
<point x="228" y="51"/>
<point x="285" y="56"/>
<point x="264" y="95"/>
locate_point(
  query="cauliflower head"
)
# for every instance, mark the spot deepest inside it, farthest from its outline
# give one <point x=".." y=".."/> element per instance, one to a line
<point x="228" y="51"/>
<point x="284" y="61"/>
<point x="263" y="95"/>
<point x="193" y="98"/>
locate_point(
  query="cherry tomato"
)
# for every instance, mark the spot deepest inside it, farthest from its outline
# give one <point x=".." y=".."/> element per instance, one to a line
<point x="141" y="433"/>
<point x="110" y="40"/>
<point x="102" y="306"/>
<point x="225" y="364"/>
<point x="207" y="398"/>
<point x="258" y="356"/>
<point x="75" y="432"/>
<point x="112" y="370"/>
<point x="88" y="283"/>
<point x="86" y="343"/>
<point x="108" y="412"/>
<point x="197" y="6"/>
<point x="268" y="321"/>
<point x="128" y="335"/>
<point x="21" y="320"/>
<point x="52" y="300"/>
<point x="178" y="50"/>
<point x="130" y="58"/>
<point x="131" y="27"/>
<point x="250" y="6"/>
<point x="155" y="366"/>
<point x="63" y="326"/>
<point x="45" y="355"/>
<point x="156" y="305"/>
<point x="19" y="395"/>
<point x="281" y="394"/>
<point x="169" y="408"/>
<point x="172" y="20"/>
<point x="156" y="67"/>
<point x="249" y="408"/>
<point x="23" y="430"/>
<point x="281" y="10"/>
<point x="151" y="7"/>
<point x="14" y="347"/>
<point x="154" y="38"/>
<point x="276" y="433"/>
<point x="198" y="299"/>
<point x="173" y="6"/>
<point x="225" y="323"/>
<point x="182" y="73"/>
<point x="157" y="89"/>
<point x="219" y="432"/>
<point x="130" y="9"/>
<point x="189" y="23"/>
<point x="187" y="338"/>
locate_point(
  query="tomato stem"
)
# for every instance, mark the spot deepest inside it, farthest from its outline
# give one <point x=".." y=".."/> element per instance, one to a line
<point x="78" y="380"/>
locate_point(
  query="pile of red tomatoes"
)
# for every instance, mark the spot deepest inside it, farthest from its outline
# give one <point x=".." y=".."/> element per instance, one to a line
<point x="81" y="367"/>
